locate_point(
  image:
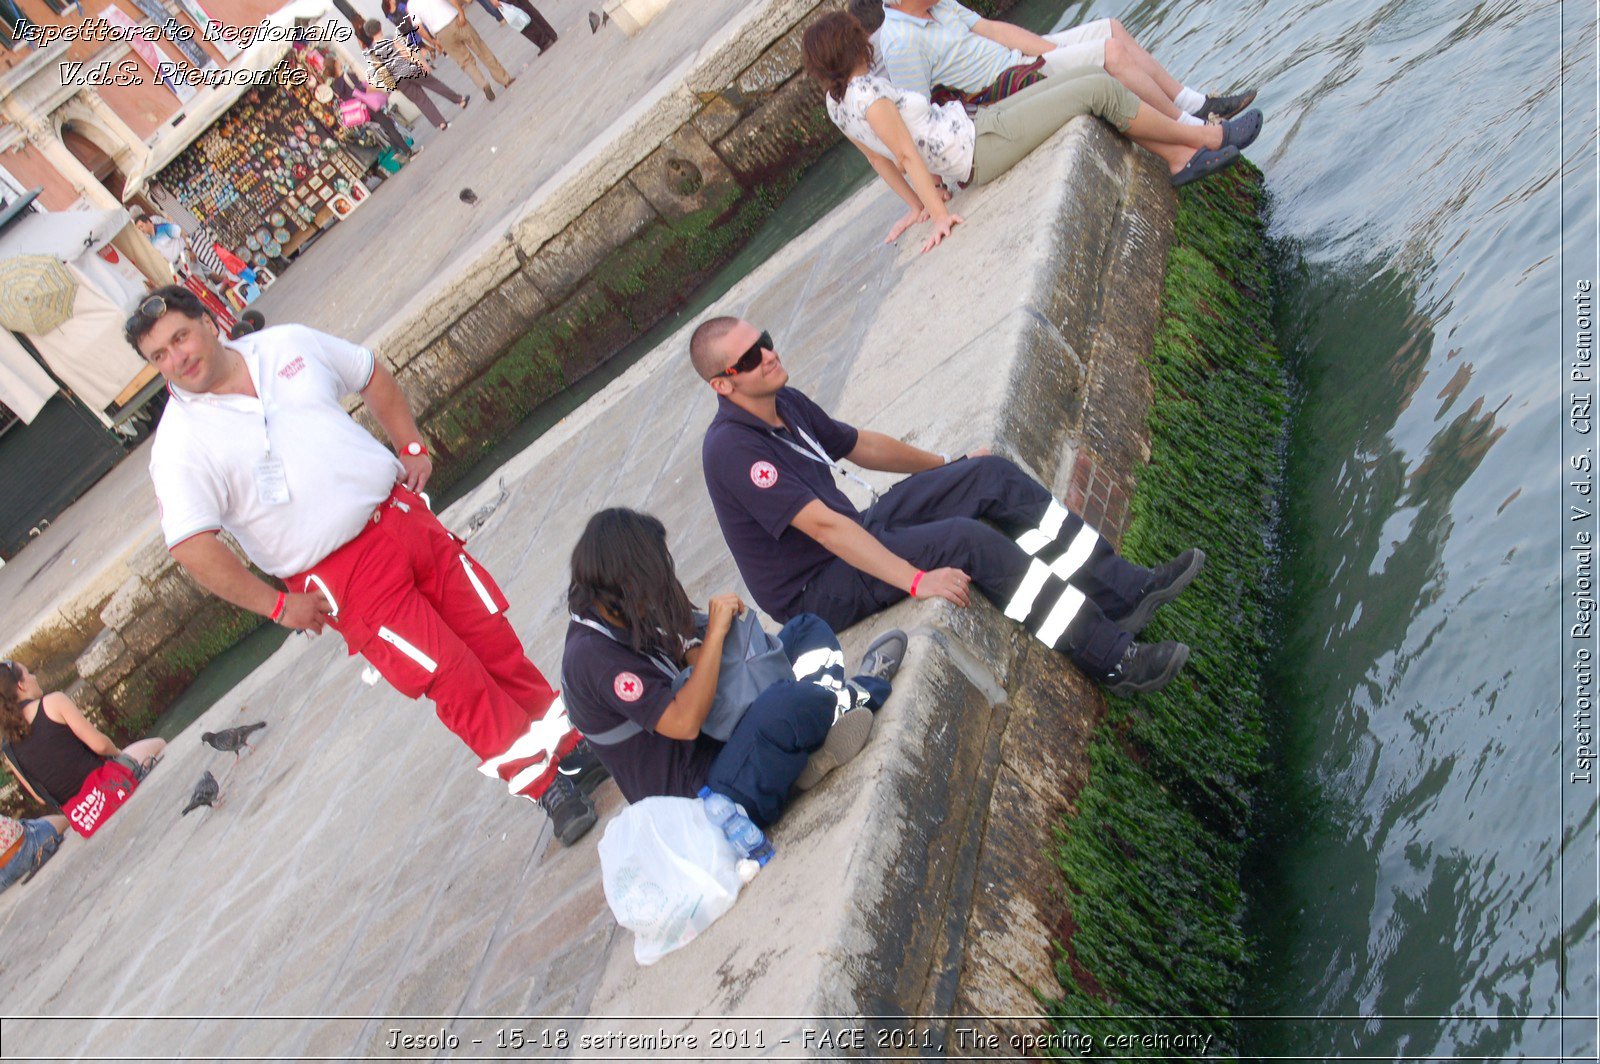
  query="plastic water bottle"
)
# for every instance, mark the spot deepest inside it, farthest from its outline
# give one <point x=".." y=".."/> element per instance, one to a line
<point x="737" y="827"/>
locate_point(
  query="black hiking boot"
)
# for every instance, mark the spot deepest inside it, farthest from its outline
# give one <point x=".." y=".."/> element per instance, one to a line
<point x="1167" y="581"/>
<point x="1146" y="667"/>
<point x="583" y="767"/>
<point x="570" y="813"/>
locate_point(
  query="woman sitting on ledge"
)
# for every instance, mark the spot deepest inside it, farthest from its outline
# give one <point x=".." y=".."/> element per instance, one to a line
<point x="910" y="142"/>
<point x="633" y="633"/>
<point x="53" y="750"/>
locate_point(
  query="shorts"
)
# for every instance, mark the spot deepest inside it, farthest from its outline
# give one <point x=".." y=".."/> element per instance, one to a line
<point x="1079" y="46"/>
<point x="40" y="840"/>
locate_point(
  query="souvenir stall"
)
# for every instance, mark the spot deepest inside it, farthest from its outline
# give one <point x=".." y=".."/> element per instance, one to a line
<point x="272" y="172"/>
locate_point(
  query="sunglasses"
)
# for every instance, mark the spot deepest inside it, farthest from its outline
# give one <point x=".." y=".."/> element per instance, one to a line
<point x="751" y="359"/>
<point x="151" y="308"/>
<point x="12" y="669"/>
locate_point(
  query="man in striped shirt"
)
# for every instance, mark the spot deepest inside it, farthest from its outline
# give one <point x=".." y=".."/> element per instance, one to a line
<point x="925" y="44"/>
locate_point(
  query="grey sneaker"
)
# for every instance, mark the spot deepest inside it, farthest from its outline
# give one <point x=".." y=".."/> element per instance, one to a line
<point x="1146" y="667"/>
<point x="845" y="740"/>
<point x="883" y="657"/>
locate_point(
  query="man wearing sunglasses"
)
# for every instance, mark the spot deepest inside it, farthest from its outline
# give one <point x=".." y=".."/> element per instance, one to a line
<point x="770" y="456"/>
<point x="256" y="442"/>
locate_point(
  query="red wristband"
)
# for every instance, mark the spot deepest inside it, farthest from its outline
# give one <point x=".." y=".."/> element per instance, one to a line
<point x="915" y="580"/>
<point x="277" y="607"/>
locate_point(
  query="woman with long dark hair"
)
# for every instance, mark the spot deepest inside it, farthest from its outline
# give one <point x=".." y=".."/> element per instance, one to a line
<point x="911" y="142"/>
<point x="634" y="632"/>
<point x="52" y="748"/>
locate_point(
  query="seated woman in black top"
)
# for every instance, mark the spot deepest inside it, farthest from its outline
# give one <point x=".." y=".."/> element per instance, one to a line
<point x="55" y="747"/>
<point x="633" y="631"/>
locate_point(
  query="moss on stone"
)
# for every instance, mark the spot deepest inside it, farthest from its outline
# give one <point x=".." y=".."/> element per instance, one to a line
<point x="1152" y="858"/>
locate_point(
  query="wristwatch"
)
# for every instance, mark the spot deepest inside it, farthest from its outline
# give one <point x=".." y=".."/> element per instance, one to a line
<point x="415" y="448"/>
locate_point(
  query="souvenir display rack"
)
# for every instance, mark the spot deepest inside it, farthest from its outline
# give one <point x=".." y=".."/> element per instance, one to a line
<point x="268" y="173"/>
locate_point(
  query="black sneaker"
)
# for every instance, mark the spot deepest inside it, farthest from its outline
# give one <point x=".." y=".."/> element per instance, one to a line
<point x="570" y="812"/>
<point x="1166" y="583"/>
<point x="883" y="657"/>
<point x="1146" y="667"/>
<point x="584" y="768"/>
<point x="1225" y="106"/>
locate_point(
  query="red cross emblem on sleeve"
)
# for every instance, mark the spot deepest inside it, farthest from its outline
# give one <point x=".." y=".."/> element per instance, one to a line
<point x="763" y="474"/>
<point x="628" y="687"/>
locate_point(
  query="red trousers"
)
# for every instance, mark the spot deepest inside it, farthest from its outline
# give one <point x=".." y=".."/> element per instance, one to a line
<point x="408" y="597"/>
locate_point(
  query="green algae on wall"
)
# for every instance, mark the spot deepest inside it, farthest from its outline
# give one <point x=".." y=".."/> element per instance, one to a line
<point x="1152" y="858"/>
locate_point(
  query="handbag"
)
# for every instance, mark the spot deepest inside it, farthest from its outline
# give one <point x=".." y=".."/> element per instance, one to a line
<point x="752" y="661"/>
<point x="353" y="113"/>
<point x="103" y="793"/>
<point x="375" y="100"/>
<point x="515" y="17"/>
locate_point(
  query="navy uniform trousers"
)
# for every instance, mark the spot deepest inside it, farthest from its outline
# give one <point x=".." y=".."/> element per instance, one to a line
<point x="1028" y="554"/>
<point x="789" y="720"/>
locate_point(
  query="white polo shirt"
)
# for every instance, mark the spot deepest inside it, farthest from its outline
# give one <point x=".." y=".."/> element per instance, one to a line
<point x="434" y="15"/>
<point x="206" y="452"/>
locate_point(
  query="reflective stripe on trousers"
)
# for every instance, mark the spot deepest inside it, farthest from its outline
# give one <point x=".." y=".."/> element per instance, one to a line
<point x="537" y="747"/>
<point x="1045" y="600"/>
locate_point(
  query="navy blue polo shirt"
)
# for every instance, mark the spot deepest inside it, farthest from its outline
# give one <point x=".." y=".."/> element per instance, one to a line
<point x="758" y="482"/>
<point x="607" y="683"/>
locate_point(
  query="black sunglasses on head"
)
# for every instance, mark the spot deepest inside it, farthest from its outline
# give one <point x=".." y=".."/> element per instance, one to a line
<point x="152" y="308"/>
<point x="751" y="359"/>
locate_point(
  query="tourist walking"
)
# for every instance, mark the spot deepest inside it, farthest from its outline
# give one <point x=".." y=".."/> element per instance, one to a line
<point x="347" y="85"/>
<point x="443" y="24"/>
<point x="396" y="66"/>
<point x="255" y="441"/>
<point x="538" y="30"/>
<point x="769" y="458"/>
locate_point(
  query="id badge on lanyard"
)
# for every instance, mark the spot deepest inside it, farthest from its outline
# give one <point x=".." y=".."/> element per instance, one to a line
<point x="813" y="450"/>
<point x="272" y="479"/>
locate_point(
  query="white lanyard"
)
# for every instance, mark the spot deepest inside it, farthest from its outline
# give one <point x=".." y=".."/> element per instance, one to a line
<point x="813" y="450"/>
<point x="661" y="663"/>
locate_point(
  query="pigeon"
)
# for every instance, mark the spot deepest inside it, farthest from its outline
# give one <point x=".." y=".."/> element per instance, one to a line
<point x="469" y="197"/>
<point x="205" y="792"/>
<point x="598" y="19"/>
<point x="235" y="740"/>
<point x="481" y="516"/>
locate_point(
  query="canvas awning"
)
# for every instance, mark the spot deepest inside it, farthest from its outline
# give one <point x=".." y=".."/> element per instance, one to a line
<point x="63" y="235"/>
<point x="24" y="386"/>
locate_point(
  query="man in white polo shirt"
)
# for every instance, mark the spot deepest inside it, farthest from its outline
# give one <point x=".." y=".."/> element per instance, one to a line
<point x="443" y="24"/>
<point x="929" y="43"/>
<point x="255" y="441"/>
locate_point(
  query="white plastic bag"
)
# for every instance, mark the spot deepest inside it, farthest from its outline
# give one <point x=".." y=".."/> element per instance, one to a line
<point x="516" y="18"/>
<point x="668" y="873"/>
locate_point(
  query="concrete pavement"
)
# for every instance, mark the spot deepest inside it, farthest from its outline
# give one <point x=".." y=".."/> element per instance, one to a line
<point x="360" y="869"/>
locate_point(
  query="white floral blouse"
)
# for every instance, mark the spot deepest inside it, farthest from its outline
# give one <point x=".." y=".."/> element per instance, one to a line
<point x="943" y="133"/>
